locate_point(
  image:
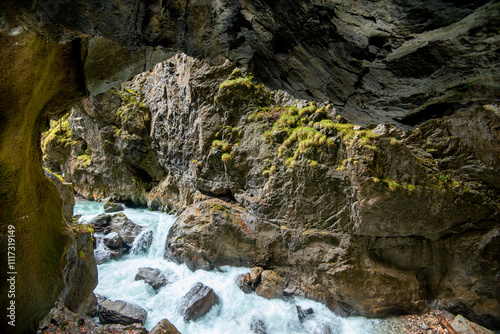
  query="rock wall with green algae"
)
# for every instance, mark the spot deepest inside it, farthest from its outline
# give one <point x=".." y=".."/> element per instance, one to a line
<point x="372" y="221"/>
<point x="38" y="78"/>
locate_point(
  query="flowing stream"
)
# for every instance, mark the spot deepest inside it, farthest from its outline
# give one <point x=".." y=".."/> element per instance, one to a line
<point x="236" y="309"/>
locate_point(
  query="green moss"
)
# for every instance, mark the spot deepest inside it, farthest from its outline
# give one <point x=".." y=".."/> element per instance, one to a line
<point x="223" y="145"/>
<point x="59" y="134"/>
<point x="85" y="160"/>
<point x="227" y="157"/>
<point x="392" y="184"/>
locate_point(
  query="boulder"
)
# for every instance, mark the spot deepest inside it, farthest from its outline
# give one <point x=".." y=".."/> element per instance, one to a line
<point x="121" y="312"/>
<point x="303" y="314"/>
<point x="100" y="222"/>
<point x="221" y="229"/>
<point x="113" y="240"/>
<point x="112" y="207"/>
<point x="271" y="285"/>
<point x="241" y="282"/>
<point x="116" y="253"/>
<point x="151" y="276"/>
<point x="164" y="327"/>
<point x="127" y="229"/>
<point x="197" y="302"/>
<point x="255" y="273"/>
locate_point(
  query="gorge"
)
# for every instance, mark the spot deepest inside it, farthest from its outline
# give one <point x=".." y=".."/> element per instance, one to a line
<point x="352" y="147"/>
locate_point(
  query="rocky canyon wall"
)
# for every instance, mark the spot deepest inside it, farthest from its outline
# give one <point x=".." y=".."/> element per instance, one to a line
<point x="387" y="61"/>
<point x="369" y="220"/>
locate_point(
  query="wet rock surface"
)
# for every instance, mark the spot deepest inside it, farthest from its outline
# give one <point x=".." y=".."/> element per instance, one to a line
<point x="120" y="312"/>
<point x="151" y="276"/>
<point x="112" y="207"/>
<point x="375" y="61"/>
<point x="198" y="302"/>
<point x="270" y="286"/>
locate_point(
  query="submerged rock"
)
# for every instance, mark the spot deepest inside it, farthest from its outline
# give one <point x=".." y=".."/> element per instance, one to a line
<point x="151" y="276"/>
<point x="112" y="207"/>
<point x="198" y="302"/>
<point x="303" y="314"/>
<point x="257" y="326"/>
<point x="121" y="312"/>
<point x="164" y="327"/>
<point x="271" y="285"/>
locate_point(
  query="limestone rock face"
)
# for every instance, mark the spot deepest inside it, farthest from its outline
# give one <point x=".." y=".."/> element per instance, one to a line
<point x="400" y="218"/>
<point x="66" y="191"/>
<point x="80" y="276"/>
<point x="120" y="312"/>
<point x="29" y="202"/>
<point x="379" y="61"/>
<point x="197" y="302"/>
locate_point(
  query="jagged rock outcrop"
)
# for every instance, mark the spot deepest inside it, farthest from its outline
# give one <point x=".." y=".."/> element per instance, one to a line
<point x="322" y="200"/>
<point x="376" y="60"/>
<point x="80" y="274"/>
<point x="66" y="191"/>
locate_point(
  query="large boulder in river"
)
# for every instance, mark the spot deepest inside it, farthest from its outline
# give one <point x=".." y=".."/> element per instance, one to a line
<point x="164" y="327"/>
<point x="151" y="276"/>
<point x="197" y="302"/>
<point x="271" y="285"/>
<point x="112" y="207"/>
<point x="127" y="229"/>
<point x="222" y="230"/>
<point x="121" y="312"/>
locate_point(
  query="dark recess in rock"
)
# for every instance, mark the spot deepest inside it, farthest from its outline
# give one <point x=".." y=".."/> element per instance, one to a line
<point x="432" y="111"/>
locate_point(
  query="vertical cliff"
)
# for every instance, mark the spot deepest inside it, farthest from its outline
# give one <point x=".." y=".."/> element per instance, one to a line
<point x="38" y="79"/>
